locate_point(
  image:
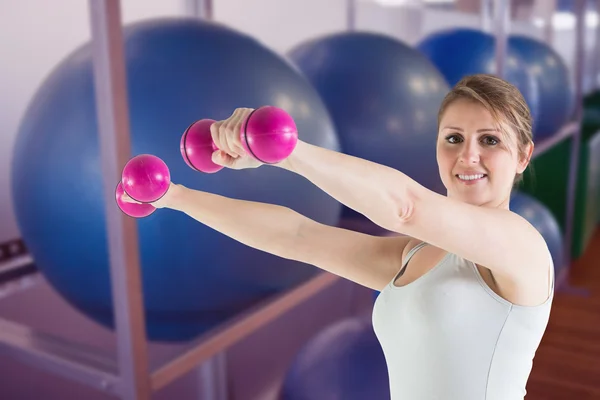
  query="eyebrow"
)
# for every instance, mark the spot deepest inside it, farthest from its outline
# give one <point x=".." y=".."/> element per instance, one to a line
<point x="478" y="131"/>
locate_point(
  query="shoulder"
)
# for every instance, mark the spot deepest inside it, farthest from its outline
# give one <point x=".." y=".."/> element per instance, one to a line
<point x="497" y="238"/>
<point x="531" y="282"/>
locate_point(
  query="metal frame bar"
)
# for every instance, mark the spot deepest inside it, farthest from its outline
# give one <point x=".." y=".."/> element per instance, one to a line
<point x="485" y="14"/>
<point x="240" y="327"/>
<point x="113" y="126"/>
<point x="17" y="267"/>
<point x="53" y="354"/>
<point x="100" y="370"/>
<point x="596" y="62"/>
<point x="127" y="375"/>
<point x="501" y="24"/>
<point x="567" y="131"/>
<point x="201" y="8"/>
<point x="548" y="13"/>
<point x="501" y="18"/>
<point x="580" y="6"/>
<point x="351" y="15"/>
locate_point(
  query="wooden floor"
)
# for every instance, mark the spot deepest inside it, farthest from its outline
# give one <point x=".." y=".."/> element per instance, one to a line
<point x="567" y="364"/>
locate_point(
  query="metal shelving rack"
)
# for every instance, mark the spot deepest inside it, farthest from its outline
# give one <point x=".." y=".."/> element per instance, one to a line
<point x="572" y="129"/>
<point x="128" y="375"/>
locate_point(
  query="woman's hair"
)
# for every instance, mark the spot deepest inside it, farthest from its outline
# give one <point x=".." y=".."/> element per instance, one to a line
<point x="503" y="100"/>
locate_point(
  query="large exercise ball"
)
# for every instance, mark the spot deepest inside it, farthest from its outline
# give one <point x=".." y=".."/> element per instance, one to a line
<point x="461" y="52"/>
<point x="383" y="97"/>
<point x="541" y="218"/>
<point x="178" y="71"/>
<point x="342" y="362"/>
<point x="556" y="91"/>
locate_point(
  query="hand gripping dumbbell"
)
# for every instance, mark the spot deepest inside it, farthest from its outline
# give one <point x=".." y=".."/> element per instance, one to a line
<point x="145" y="178"/>
<point x="269" y="134"/>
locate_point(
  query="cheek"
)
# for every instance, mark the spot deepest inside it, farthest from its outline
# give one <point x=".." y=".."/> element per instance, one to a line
<point x="503" y="166"/>
<point x="445" y="156"/>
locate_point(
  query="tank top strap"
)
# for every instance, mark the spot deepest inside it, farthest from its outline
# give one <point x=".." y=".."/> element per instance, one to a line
<point x="409" y="255"/>
<point x="412" y="252"/>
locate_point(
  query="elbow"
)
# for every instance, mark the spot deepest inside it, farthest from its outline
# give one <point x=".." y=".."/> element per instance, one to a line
<point x="405" y="204"/>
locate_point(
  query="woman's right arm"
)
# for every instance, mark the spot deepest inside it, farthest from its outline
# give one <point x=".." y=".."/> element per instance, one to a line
<point x="370" y="261"/>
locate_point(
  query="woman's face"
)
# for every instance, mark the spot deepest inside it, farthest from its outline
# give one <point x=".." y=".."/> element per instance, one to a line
<point x="476" y="163"/>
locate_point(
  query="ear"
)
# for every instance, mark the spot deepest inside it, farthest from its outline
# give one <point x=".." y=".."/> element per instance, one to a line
<point x="526" y="158"/>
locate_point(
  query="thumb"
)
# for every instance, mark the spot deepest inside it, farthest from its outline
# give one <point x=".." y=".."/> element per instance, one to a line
<point x="221" y="158"/>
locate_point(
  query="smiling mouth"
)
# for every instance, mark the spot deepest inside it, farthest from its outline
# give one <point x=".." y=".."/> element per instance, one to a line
<point x="471" y="178"/>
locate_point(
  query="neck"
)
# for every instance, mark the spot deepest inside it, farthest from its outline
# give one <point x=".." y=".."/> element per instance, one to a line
<point x="502" y="204"/>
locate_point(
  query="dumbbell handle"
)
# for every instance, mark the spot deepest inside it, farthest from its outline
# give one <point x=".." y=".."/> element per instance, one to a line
<point x="269" y="134"/>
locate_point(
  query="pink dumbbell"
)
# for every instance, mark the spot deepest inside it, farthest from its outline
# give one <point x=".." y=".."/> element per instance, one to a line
<point x="269" y="134"/>
<point x="145" y="178"/>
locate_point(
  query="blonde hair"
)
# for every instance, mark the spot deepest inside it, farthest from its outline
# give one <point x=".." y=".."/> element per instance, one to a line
<point x="503" y="100"/>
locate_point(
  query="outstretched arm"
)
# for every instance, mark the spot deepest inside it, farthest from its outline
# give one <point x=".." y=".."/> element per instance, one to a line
<point x="370" y="261"/>
<point x="497" y="239"/>
<point x="374" y="190"/>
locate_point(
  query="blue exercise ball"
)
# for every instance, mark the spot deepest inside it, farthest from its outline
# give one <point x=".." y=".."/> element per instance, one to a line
<point x="461" y="52"/>
<point x="178" y="71"/>
<point x="556" y="91"/>
<point x="342" y="362"/>
<point x="383" y="97"/>
<point x="541" y="218"/>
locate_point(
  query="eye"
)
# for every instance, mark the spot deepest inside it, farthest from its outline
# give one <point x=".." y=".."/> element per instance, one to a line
<point x="453" y="138"/>
<point x="490" y="140"/>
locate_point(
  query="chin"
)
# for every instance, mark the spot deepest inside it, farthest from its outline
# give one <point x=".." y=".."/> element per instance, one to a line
<point x="470" y="198"/>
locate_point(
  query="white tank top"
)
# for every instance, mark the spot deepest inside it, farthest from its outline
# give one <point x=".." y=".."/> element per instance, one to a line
<point x="448" y="336"/>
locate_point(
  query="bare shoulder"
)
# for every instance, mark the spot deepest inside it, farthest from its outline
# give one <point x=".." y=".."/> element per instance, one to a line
<point x="499" y="239"/>
<point x="531" y="283"/>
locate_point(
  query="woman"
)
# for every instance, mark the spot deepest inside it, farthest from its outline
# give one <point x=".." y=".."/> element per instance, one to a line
<point x="466" y="289"/>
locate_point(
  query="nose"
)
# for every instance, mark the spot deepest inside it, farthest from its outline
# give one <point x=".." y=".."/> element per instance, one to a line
<point x="470" y="152"/>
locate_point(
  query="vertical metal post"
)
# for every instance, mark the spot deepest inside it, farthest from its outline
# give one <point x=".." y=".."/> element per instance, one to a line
<point x="213" y="378"/>
<point x="212" y="374"/>
<point x="485" y="14"/>
<point x="113" y="126"/>
<point x="549" y="7"/>
<point x="576" y="138"/>
<point x="501" y="20"/>
<point x="351" y="15"/>
<point x="596" y="53"/>
<point x="201" y="8"/>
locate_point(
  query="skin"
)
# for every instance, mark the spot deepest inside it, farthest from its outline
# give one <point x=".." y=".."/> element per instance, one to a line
<point x="510" y="254"/>
<point x="469" y="142"/>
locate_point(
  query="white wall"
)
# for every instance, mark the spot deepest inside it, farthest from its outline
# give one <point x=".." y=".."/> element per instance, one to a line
<point x="38" y="34"/>
<point x="282" y="24"/>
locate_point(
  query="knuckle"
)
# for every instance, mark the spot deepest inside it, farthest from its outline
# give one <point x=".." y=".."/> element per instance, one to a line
<point x="214" y="133"/>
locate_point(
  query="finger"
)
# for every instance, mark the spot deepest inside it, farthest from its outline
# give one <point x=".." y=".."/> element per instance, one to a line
<point x="215" y="135"/>
<point x="233" y="138"/>
<point x="126" y="199"/>
<point x="226" y="131"/>
<point x="236" y="142"/>
<point x="221" y="158"/>
<point x="225" y="134"/>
